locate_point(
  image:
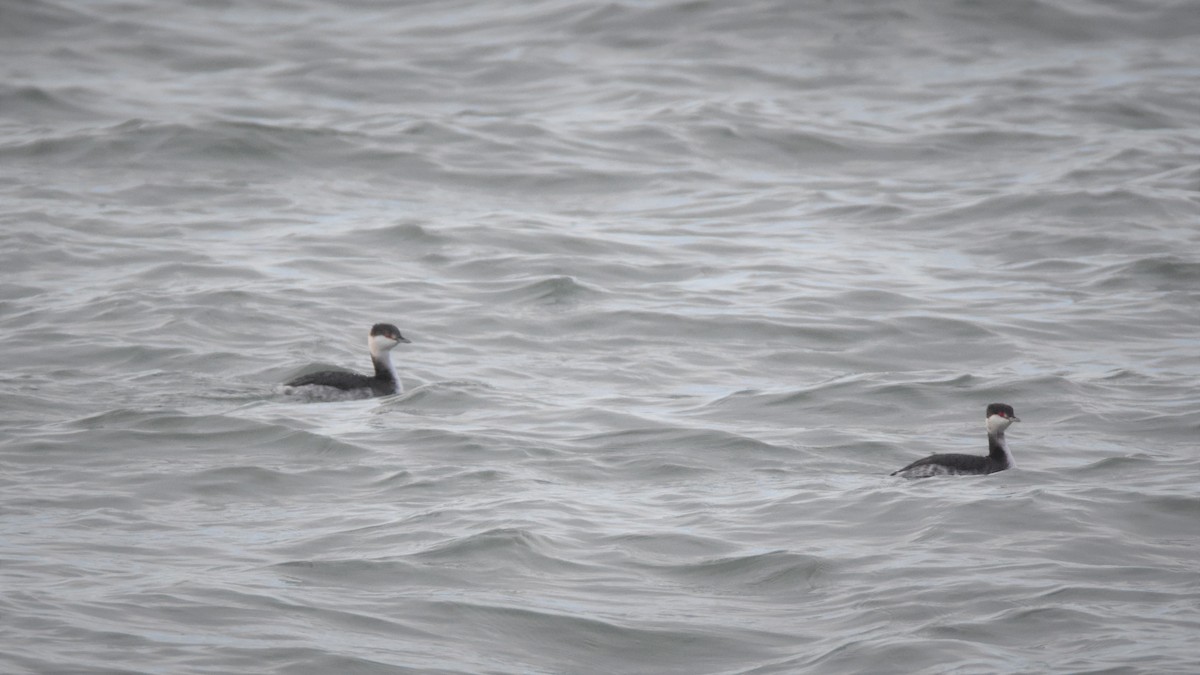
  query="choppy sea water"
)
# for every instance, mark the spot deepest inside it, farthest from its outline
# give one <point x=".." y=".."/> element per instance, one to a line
<point x="685" y="281"/>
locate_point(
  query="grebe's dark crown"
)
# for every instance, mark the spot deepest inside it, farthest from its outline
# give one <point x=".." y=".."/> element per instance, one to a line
<point x="389" y="331"/>
<point x="1001" y="409"/>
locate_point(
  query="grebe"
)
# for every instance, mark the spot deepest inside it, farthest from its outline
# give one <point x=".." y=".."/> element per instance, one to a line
<point x="999" y="417"/>
<point x="334" y="384"/>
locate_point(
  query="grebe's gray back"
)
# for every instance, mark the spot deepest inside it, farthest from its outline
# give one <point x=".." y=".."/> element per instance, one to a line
<point x="340" y="384"/>
<point x="999" y="417"/>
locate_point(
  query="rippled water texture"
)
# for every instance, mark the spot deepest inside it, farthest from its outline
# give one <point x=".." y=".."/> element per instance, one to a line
<point x="685" y="281"/>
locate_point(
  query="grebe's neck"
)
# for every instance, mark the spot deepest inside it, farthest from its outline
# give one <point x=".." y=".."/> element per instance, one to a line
<point x="998" y="448"/>
<point x="384" y="368"/>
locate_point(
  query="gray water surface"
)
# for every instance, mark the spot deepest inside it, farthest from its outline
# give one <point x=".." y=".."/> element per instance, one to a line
<point x="685" y="282"/>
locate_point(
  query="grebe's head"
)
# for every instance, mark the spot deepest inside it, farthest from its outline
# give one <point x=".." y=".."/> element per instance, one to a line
<point x="384" y="336"/>
<point x="1000" y="416"/>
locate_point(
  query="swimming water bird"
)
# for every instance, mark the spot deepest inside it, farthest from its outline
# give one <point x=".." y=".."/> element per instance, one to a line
<point x="999" y="417"/>
<point x="335" y="384"/>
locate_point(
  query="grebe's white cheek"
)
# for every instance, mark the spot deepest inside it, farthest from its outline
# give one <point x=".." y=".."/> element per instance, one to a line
<point x="997" y="423"/>
<point x="382" y="343"/>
